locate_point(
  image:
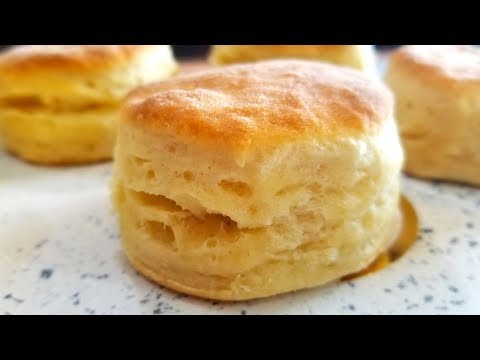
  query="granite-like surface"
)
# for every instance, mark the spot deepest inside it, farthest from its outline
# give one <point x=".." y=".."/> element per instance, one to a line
<point x="60" y="254"/>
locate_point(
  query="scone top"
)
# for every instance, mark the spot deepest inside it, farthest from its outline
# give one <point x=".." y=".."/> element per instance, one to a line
<point x="80" y="74"/>
<point x="446" y="66"/>
<point x="357" y="56"/>
<point x="240" y="107"/>
<point x="79" y="58"/>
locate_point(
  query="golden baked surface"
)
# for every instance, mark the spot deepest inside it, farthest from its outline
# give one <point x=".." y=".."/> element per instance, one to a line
<point x="361" y="57"/>
<point x="79" y="75"/>
<point x="441" y="65"/>
<point x="79" y="58"/>
<point x="267" y="102"/>
<point x="313" y="197"/>
<point x="438" y="110"/>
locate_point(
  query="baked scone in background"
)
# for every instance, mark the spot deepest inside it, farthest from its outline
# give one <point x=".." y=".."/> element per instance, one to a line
<point x="361" y="57"/>
<point x="437" y="90"/>
<point x="59" y="103"/>
<point x="252" y="180"/>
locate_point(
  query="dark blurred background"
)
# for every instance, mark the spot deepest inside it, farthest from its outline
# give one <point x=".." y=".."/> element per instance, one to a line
<point x="189" y="51"/>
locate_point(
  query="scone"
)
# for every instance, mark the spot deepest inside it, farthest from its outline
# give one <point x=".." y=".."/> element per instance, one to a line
<point x="361" y="57"/>
<point x="60" y="104"/>
<point x="437" y="91"/>
<point x="247" y="181"/>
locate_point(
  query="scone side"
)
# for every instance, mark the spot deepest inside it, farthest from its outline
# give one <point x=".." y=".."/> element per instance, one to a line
<point x="251" y="108"/>
<point x="66" y="138"/>
<point x="147" y="257"/>
<point x="281" y="276"/>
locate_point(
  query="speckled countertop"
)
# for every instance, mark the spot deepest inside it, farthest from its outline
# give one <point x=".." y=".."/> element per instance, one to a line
<point x="60" y="254"/>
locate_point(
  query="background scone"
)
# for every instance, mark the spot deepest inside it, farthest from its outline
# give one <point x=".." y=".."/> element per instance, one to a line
<point x="361" y="57"/>
<point x="59" y="104"/>
<point x="437" y="91"/>
<point x="252" y="180"/>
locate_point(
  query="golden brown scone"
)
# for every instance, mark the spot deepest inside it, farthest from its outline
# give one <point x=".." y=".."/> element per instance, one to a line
<point x="437" y="91"/>
<point x="59" y="103"/>
<point x="361" y="57"/>
<point x="253" y="180"/>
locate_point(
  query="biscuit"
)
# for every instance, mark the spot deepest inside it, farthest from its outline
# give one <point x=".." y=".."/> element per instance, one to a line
<point x="361" y="57"/>
<point x="59" y="104"/>
<point x="247" y="181"/>
<point x="437" y="90"/>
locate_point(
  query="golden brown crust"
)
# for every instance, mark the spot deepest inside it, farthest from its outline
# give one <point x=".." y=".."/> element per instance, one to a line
<point x="312" y="51"/>
<point x="446" y="66"/>
<point x="79" y="58"/>
<point x="360" y="57"/>
<point x="170" y="279"/>
<point x="272" y="101"/>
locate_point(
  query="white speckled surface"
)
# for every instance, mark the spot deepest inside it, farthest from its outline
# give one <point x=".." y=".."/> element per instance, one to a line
<point x="60" y="254"/>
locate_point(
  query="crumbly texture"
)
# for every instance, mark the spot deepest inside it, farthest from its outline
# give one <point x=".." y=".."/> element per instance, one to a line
<point x="437" y="91"/>
<point x="361" y="57"/>
<point x="59" y="104"/>
<point x="313" y="197"/>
